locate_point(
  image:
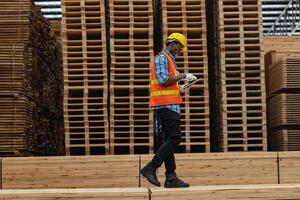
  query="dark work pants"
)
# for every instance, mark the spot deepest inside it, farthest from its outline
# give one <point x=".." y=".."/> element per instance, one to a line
<point x="170" y="124"/>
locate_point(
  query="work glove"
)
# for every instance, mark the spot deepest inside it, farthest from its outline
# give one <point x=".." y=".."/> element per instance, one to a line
<point x="190" y="77"/>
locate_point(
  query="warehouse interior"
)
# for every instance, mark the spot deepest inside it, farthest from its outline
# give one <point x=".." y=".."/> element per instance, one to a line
<point x="75" y="116"/>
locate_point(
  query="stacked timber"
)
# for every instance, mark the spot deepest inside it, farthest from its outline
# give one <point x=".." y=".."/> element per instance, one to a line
<point x="283" y="97"/>
<point x="131" y="48"/>
<point x="31" y="92"/>
<point x="85" y="77"/>
<point x="189" y="18"/>
<point x="243" y="106"/>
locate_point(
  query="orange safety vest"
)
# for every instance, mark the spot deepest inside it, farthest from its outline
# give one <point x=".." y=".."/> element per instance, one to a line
<point x="164" y="95"/>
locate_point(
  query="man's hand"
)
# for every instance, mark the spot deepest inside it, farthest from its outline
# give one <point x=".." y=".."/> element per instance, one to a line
<point x="190" y="77"/>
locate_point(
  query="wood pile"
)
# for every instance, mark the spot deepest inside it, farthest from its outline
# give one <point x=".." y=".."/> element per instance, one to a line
<point x="126" y="122"/>
<point x="131" y="52"/>
<point x="31" y="92"/>
<point x="243" y="105"/>
<point x="85" y="77"/>
<point x="119" y="171"/>
<point x="283" y="86"/>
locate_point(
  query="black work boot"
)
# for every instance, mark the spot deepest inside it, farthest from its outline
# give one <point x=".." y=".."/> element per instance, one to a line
<point x="150" y="174"/>
<point x="175" y="183"/>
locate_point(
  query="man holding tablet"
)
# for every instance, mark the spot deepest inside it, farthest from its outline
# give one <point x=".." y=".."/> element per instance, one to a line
<point x="165" y="99"/>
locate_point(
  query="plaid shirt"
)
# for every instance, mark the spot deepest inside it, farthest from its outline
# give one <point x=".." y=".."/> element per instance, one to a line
<point x="162" y="75"/>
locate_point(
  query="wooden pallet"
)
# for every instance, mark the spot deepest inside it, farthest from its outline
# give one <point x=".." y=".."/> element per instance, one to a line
<point x="242" y="76"/>
<point x="189" y="18"/>
<point x="85" y="77"/>
<point x="130" y="121"/>
<point x="131" y="44"/>
<point x="86" y="122"/>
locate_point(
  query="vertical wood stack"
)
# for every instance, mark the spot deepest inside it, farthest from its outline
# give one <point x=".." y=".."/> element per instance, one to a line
<point x="131" y="48"/>
<point x="46" y="76"/>
<point x="242" y="76"/>
<point x="189" y="18"/>
<point x="85" y="77"/>
<point x="283" y="81"/>
<point x="14" y="108"/>
<point x="30" y="98"/>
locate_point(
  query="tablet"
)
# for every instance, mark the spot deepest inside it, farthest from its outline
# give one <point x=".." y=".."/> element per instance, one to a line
<point x="186" y="85"/>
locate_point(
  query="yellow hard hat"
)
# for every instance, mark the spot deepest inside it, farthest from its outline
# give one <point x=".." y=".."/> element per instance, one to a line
<point x="180" y="38"/>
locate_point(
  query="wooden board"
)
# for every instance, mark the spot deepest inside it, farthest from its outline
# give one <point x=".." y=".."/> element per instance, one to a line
<point x="76" y="194"/>
<point x="289" y="164"/>
<point x="263" y="192"/>
<point x="70" y="172"/>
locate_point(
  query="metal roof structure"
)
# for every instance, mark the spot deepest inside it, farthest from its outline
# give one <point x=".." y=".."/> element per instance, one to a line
<point x="50" y="8"/>
<point x="280" y="17"/>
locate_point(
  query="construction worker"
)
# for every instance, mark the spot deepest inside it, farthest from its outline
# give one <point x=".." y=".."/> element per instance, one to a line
<point x="165" y="99"/>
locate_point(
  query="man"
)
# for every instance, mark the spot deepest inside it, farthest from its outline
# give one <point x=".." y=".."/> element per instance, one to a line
<point x="165" y="99"/>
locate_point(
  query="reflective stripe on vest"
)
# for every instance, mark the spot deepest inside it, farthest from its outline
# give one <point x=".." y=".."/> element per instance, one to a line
<point x="165" y="92"/>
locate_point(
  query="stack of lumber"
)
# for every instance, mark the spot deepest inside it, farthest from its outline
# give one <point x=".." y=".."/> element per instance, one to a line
<point x="189" y="18"/>
<point x="111" y="171"/>
<point x="247" y="192"/>
<point x="117" y="171"/>
<point x="283" y="96"/>
<point x="45" y="74"/>
<point x="214" y="176"/>
<point x="85" y="77"/>
<point x="131" y="51"/>
<point x="282" y="43"/>
<point x="243" y="106"/>
<point x="30" y="84"/>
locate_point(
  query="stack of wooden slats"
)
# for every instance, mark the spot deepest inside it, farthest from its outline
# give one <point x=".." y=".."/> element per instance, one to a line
<point x="283" y="83"/>
<point x="30" y="82"/>
<point x="189" y="18"/>
<point x="242" y="76"/>
<point x="14" y="25"/>
<point x="85" y="77"/>
<point x="131" y="48"/>
<point x="46" y="85"/>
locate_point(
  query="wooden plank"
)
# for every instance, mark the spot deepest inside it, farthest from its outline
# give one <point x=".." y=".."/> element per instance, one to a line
<point x="70" y="172"/>
<point x="289" y="163"/>
<point x="262" y="191"/>
<point x="76" y="194"/>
